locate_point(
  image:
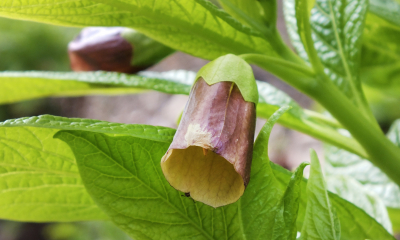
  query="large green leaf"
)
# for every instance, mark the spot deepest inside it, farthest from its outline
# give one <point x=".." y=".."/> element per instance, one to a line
<point x="18" y="86"/>
<point x="197" y="27"/>
<point x="320" y="221"/>
<point x="39" y="178"/>
<point x="124" y="177"/>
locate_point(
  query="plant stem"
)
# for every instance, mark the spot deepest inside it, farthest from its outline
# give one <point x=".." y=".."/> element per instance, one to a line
<point x="382" y="153"/>
<point x="282" y="49"/>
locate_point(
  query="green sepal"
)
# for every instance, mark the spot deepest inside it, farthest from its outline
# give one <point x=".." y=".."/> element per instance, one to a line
<point x="231" y="68"/>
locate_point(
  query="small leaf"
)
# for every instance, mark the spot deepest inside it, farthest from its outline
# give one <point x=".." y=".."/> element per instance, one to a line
<point x="258" y="203"/>
<point x="320" y="221"/>
<point x="288" y="207"/>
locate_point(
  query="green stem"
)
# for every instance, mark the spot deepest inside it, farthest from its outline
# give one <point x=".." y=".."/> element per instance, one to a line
<point x="282" y="49"/>
<point x="383" y="153"/>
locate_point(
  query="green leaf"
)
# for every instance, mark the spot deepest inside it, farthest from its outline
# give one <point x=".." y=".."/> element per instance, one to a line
<point x="337" y="29"/>
<point x="124" y="177"/>
<point x="147" y="52"/>
<point x="320" y="219"/>
<point x="380" y="59"/>
<point x="17" y="86"/>
<point x="196" y="27"/>
<point x="340" y="162"/>
<point x="394" y="214"/>
<point x="39" y="179"/>
<point x="337" y="26"/>
<point x="288" y="207"/>
<point x="291" y="25"/>
<point x="137" y="197"/>
<point x="375" y="184"/>
<point x="161" y="134"/>
<point x="363" y="226"/>
<point x="386" y="9"/>
<point x="252" y="13"/>
<point x="354" y="192"/>
<point x="258" y="203"/>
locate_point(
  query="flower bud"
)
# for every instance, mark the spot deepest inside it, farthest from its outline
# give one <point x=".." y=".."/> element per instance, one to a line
<point x="210" y="155"/>
<point x="114" y="49"/>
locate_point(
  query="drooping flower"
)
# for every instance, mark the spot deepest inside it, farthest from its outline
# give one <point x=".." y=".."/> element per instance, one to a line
<point x="210" y="156"/>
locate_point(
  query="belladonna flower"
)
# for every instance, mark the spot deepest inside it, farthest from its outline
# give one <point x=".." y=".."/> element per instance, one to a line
<point x="211" y="153"/>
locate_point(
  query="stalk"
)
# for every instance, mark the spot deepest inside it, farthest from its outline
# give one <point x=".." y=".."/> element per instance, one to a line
<point x="382" y="153"/>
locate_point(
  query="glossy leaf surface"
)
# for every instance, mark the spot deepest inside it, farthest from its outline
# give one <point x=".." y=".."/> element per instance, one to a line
<point x="39" y="178"/>
<point x="321" y="221"/>
<point x="288" y="207"/>
<point x="137" y="197"/>
<point x="196" y="27"/>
